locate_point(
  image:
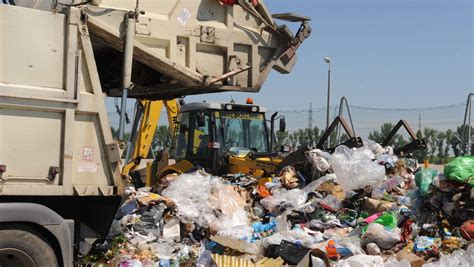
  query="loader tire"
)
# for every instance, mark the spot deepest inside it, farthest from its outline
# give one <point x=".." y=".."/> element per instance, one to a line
<point x="22" y="246"/>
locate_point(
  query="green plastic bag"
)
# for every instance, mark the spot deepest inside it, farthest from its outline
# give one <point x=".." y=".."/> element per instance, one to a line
<point x="423" y="180"/>
<point x="461" y="169"/>
<point x="387" y="219"/>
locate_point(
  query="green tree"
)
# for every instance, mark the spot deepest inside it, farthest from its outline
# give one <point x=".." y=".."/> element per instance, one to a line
<point x="334" y="141"/>
<point x="282" y="139"/>
<point x="455" y="143"/>
<point x="115" y="134"/>
<point x="302" y="136"/>
<point x="448" y="135"/>
<point x="314" y="134"/>
<point x="162" y="139"/>
<point x="379" y="136"/>
<point x="440" y="138"/>
<point x="429" y="135"/>
<point x="293" y="140"/>
<point x="400" y="141"/>
<point x="310" y="137"/>
<point x="463" y="146"/>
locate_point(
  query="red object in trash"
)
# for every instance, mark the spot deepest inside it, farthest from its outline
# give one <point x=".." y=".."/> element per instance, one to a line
<point x="263" y="191"/>
<point x="228" y="2"/>
<point x="467" y="229"/>
<point x="407" y="230"/>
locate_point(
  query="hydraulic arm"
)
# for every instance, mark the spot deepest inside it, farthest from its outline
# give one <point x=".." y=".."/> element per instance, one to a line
<point x="148" y="114"/>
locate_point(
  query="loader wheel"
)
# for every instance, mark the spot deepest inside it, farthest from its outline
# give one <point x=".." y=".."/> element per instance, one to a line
<point x="22" y="246"/>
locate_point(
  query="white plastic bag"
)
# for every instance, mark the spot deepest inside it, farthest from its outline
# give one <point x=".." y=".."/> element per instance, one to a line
<point x="191" y="192"/>
<point x="361" y="260"/>
<point x="378" y="234"/>
<point x="393" y="262"/>
<point x="205" y="200"/>
<point x="293" y="235"/>
<point x="459" y="258"/>
<point x="242" y="232"/>
<point x="317" y="161"/>
<point x="291" y="199"/>
<point x="355" y="169"/>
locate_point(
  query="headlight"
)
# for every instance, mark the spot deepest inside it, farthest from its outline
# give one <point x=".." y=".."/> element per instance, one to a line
<point x="228" y="107"/>
<point x="254" y="109"/>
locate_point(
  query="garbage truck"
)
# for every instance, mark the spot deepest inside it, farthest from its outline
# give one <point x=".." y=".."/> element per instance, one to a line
<point x="60" y="168"/>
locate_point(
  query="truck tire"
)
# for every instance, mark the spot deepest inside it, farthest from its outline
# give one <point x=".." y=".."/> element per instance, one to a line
<point x="22" y="246"/>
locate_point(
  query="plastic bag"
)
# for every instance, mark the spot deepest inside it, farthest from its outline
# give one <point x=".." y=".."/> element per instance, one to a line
<point x="387" y="219"/>
<point x="351" y="242"/>
<point x="191" y="192"/>
<point x="332" y="203"/>
<point x="373" y="249"/>
<point x="393" y="262"/>
<point x="355" y="169"/>
<point x="461" y="169"/>
<point x="242" y="232"/>
<point x="378" y="234"/>
<point x="290" y="199"/>
<point x="162" y="250"/>
<point x="317" y="161"/>
<point x="230" y="205"/>
<point x="205" y="260"/>
<point x="423" y="180"/>
<point x="361" y="260"/>
<point x="205" y="200"/>
<point x="459" y="258"/>
<point x="296" y="234"/>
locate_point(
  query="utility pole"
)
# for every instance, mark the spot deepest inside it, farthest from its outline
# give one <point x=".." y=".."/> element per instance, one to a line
<point x="328" y="61"/>
<point x="467" y="122"/>
<point x="419" y="122"/>
<point x="310" y="115"/>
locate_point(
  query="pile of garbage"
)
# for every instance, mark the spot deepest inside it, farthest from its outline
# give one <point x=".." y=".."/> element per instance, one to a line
<point x="354" y="207"/>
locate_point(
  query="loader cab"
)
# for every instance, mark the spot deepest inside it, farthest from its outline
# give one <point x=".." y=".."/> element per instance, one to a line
<point x="208" y="133"/>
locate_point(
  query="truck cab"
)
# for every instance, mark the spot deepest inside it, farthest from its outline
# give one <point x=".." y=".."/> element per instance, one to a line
<point x="222" y="138"/>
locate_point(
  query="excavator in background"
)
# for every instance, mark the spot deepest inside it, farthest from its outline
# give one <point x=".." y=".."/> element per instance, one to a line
<point x="221" y="138"/>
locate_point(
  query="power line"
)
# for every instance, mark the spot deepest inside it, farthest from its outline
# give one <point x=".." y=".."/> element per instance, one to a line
<point x="410" y="109"/>
<point x="455" y="105"/>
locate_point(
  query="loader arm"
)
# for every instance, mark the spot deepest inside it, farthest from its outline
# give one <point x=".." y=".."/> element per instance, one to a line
<point x="149" y="115"/>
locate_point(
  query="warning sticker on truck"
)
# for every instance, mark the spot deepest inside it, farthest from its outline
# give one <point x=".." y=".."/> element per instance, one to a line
<point x="87" y="167"/>
<point x="87" y="153"/>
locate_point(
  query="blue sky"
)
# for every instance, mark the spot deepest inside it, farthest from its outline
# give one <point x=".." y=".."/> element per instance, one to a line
<point x="385" y="53"/>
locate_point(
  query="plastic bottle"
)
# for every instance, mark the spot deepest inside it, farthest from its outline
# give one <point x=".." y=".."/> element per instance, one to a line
<point x="331" y="250"/>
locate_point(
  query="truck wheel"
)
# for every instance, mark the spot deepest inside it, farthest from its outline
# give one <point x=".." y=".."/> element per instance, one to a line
<point x="24" y="247"/>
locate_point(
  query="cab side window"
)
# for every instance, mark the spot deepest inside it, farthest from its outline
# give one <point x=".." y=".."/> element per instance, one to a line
<point x="201" y="122"/>
<point x="182" y="137"/>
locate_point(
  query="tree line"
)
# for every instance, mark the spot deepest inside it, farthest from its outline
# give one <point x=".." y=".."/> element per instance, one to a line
<point x="441" y="145"/>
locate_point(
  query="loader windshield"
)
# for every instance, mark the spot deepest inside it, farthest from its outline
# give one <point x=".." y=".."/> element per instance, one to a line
<point x="241" y="132"/>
